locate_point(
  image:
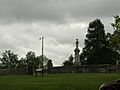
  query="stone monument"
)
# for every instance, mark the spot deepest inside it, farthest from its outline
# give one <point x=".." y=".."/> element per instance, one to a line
<point x="77" y="56"/>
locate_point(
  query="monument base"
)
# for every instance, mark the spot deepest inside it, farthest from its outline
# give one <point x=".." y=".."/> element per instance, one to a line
<point x="77" y="64"/>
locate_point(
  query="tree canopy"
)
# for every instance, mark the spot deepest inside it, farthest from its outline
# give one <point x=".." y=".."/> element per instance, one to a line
<point x="9" y="60"/>
<point x="68" y="62"/>
<point x="96" y="50"/>
<point x="115" y="37"/>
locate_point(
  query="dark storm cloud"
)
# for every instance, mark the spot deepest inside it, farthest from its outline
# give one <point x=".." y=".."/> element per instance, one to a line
<point x="58" y="11"/>
<point x="95" y="8"/>
<point x="31" y="10"/>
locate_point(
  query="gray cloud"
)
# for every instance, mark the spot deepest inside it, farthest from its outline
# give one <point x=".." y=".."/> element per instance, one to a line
<point x="58" y="11"/>
<point x="59" y="39"/>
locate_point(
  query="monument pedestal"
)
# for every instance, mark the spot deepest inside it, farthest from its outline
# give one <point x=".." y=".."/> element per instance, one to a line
<point x="77" y="64"/>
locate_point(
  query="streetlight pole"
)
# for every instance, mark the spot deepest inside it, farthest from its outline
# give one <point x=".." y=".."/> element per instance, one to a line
<point x="42" y="55"/>
<point x="41" y="69"/>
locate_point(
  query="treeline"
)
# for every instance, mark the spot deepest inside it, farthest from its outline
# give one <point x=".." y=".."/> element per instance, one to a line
<point x="10" y="60"/>
<point x="100" y="47"/>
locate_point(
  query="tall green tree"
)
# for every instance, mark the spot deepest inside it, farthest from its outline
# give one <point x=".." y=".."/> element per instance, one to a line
<point x="34" y="62"/>
<point x="22" y="63"/>
<point x="96" y="49"/>
<point x="114" y="39"/>
<point x="9" y="59"/>
<point x="116" y="24"/>
<point x="30" y="60"/>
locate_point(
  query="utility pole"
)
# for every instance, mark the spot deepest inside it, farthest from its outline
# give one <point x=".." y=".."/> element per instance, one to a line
<point x="42" y="55"/>
<point x="41" y="69"/>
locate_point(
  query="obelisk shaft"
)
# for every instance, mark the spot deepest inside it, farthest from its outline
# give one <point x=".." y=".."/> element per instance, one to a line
<point x="77" y="56"/>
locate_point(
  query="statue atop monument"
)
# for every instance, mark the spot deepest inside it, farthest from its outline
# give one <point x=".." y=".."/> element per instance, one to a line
<point x="77" y="56"/>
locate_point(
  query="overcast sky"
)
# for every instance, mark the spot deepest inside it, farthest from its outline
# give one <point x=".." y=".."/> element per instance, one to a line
<point x="23" y="22"/>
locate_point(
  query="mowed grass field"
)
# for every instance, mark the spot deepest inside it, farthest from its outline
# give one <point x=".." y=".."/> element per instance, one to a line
<point x="75" y="81"/>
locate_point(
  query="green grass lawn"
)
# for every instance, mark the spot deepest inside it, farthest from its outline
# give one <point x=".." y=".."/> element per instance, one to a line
<point x="80" y="81"/>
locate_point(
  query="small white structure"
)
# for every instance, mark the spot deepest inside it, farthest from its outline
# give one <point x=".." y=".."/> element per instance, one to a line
<point x="39" y="69"/>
